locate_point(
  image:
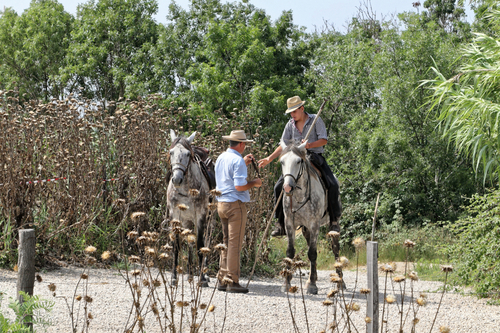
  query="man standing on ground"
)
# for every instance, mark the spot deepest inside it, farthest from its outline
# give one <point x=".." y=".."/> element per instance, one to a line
<point x="296" y="130"/>
<point x="231" y="178"/>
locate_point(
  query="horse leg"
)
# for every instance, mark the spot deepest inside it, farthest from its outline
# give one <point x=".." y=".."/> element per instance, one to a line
<point x="334" y="226"/>
<point x="202" y="260"/>
<point x="311" y="238"/>
<point x="176" y="246"/>
<point x="290" y="253"/>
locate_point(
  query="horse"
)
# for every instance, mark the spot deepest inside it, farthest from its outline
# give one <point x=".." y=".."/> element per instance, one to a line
<point x="187" y="198"/>
<point x="305" y="206"/>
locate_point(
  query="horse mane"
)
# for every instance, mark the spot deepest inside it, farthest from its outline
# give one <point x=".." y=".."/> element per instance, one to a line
<point x="184" y="142"/>
<point x="293" y="147"/>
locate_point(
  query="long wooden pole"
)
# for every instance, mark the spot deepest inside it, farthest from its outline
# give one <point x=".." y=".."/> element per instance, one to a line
<point x="269" y="219"/>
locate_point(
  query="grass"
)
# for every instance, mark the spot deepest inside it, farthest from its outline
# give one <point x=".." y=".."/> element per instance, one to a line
<point x="426" y="255"/>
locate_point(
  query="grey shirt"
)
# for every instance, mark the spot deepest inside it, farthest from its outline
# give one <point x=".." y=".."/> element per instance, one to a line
<point x="291" y="132"/>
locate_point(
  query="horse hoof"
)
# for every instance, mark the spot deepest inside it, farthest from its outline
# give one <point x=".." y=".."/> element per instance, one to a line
<point x="207" y="278"/>
<point x="312" y="289"/>
<point x="204" y="284"/>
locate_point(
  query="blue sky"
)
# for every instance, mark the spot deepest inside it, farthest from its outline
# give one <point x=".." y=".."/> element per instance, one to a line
<point x="308" y="13"/>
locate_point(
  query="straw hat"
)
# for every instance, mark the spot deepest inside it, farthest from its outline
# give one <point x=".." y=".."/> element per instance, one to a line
<point x="238" y="136"/>
<point x="293" y="103"/>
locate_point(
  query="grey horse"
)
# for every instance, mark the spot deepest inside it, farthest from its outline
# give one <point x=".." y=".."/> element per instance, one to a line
<point x="187" y="198"/>
<point x="304" y="205"/>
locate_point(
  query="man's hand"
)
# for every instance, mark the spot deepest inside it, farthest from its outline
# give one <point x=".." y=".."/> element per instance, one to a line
<point x="257" y="182"/>
<point x="248" y="159"/>
<point x="263" y="162"/>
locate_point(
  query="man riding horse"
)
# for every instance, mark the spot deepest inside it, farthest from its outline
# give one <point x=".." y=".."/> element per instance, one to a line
<point x="296" y="129"/>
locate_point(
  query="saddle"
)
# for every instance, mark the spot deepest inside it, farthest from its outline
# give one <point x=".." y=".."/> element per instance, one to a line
<point x="206" y="164"/>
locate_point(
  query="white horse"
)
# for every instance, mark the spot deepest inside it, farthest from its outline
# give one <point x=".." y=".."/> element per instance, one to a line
<point x="189" y="188"/>
<point x="304" y="205"/>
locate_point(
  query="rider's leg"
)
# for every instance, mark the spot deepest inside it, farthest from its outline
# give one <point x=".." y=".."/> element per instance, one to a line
<point x="279" y="228"/>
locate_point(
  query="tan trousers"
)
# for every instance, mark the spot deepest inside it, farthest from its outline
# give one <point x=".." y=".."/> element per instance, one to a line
<point x="234" y="219"/>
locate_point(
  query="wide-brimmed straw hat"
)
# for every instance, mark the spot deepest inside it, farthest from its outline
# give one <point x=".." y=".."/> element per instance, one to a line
<point x="238" y="136"/>
<point x="293" y="103"/>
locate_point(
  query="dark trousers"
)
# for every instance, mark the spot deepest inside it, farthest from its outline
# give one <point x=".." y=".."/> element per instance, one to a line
<point x="331" y="183"/>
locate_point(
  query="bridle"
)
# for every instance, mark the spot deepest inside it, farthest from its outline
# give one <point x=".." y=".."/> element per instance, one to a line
<point x="295" y="179"/>
<point x="181" y="166"/>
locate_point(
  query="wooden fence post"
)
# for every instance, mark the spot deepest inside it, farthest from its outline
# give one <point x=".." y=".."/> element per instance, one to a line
<point x="372" y="300"/>
<point x="26" y="265"/>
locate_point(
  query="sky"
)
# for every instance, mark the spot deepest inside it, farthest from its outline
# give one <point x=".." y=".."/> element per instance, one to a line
<point x="307" y="13"/>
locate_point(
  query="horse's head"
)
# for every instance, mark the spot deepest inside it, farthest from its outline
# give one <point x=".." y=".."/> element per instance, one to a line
<point x="181" y="155"/>
<point x="292" y="165"/>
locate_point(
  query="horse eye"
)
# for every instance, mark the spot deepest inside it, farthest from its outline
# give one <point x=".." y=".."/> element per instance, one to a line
<point x="298" y="162"/>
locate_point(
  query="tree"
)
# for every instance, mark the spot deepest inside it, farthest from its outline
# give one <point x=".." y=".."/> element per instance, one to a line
<point x="469" y="114"/>
<point x="111" y="49"/>
<point x="34" y="47"/>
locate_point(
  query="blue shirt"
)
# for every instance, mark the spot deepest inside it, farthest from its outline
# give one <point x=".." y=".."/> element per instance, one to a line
<point x="291" y="132"/>
<point x="231" y="171"/>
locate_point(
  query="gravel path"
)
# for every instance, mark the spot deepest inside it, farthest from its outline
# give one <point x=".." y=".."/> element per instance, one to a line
<point x="263" y="309"/>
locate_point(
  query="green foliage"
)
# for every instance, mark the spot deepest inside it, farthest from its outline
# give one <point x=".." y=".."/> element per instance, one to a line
<point x="470" y="107"/>
<point x="382" y="140"/>
<point x="476" y="251"/>
<point x="33" y="48"/>
<point x="33" y="310"/>
<point x="109" y="56"/>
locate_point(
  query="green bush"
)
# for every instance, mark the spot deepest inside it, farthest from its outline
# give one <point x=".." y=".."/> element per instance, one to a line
<point x="476" y="251"/>
<point x="32" y="310"/>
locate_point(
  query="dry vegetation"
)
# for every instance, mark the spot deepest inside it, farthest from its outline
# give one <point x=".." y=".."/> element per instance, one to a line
<point x="126" y="141"/>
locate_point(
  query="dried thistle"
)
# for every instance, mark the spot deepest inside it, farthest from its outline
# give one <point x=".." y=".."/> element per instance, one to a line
<point x="288" y="262"/>
<point x="88" y="299"/>
<point x="164" y="256"/>
<point x="344" y="261"/>
<point x="135" y="272"/>
<point x="386" y="268"/>
<point x="358" y="242"/>
<point x="286" y="273"/>
<point x="413" y="276"/>
<point x="132" y="234"/>
<point x="220" y="247"/>
<point x="134" y="259"/>
<point x="332" y="293"/>
<point x="191" y="238"/>
<point x="90" y="316"/>
<point x="447" y="268"/>
<point x="137" y="215"/>
<point x="182" y="207"/>
<point x="293" y="289"/>
<point x="215" y="193"/>
<point x="408" y="243"/>
<point x="368" y="320"/>
<point x="52" y="287"/>
<point x="421" y="301"/>
<point x="84" y="276"/>
<point x="194" y="192"/>
<point x="327" y="302"/>
<point x="398" y="279"/>
<point x="175" y="223"/>
<point x="212" y="206"/>
<point x="204" y="250"/>
<point x="444" y="329"/>
<point x="333" y="234"/>
<point x="78" y="298"/>
<point x="227" y="280"/>
<point x="365" y="291"/>
<point x="211" y="308"/>
<point x="106" y="255"/>
<point x="90" y="249"/>
<point x="38" y="278"/>
<point x="390" y="299"/>
<point x="203" y="306"/>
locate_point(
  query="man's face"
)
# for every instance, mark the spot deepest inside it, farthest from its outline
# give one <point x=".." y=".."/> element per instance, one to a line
<point x="297" y="114"/>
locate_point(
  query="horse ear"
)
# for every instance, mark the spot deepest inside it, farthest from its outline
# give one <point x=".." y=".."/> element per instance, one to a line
<point x="191" y="138"/>
<point x="303" y="146"/>
<point x="172" y="135"/>
<point x="282" y="144"/>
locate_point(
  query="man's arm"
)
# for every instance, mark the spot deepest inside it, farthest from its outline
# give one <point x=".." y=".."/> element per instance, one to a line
<point x="265" y="161"/>
<point x="257" y="182"/>
<point x="315" y="144"/>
